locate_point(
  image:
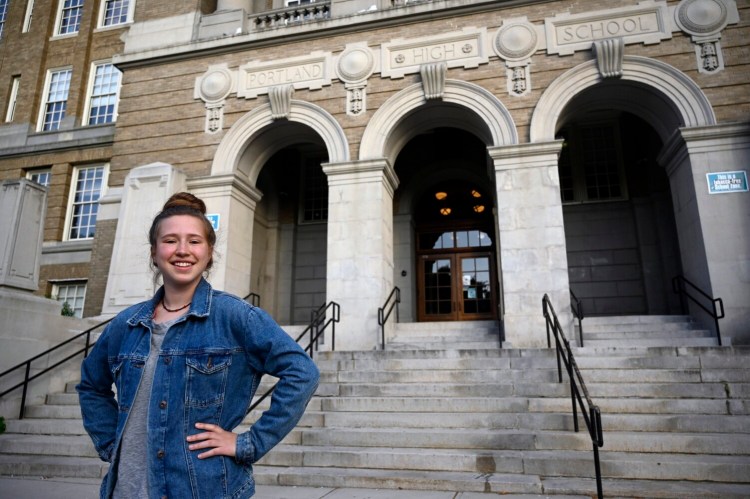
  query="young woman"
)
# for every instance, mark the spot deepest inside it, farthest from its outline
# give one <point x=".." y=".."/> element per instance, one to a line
<point x="186" y="365"/>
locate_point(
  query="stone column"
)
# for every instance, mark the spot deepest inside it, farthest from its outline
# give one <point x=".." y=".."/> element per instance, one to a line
<point x="234" y="200"/>
<point x="360" y="247"/>
<point x="531" y="243"/>
<point x="713" y="229"/>
<point x="145" y="191"/>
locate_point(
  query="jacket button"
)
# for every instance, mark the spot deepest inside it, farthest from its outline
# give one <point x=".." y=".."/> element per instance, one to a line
<point x="163" y="404"/>
<point x="167" y="360"/>
<point x="160" y="454"/>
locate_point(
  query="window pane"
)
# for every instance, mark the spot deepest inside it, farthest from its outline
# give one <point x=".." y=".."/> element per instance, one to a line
<point x="116" y="12"/>
<point x="42" y="178"/>
<point x="600" y="162"/>
<point x="57" y="100"/>
<point x="315" y="190"/>
<point x="70" y="20"/>
<point x="3" y="14"/>
<point x="104" y="94"/>
<point x="438" y="287"/>
<point x="86" y="202"/>
<point x="73" y="294"/>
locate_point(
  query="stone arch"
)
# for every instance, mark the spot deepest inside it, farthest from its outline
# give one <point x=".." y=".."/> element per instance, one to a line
<point x="677" y="102"/>
<point x="251" y="126"/>
<point x="488" y="118"/>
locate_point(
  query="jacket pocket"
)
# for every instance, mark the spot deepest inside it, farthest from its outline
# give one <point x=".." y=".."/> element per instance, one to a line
<point x="206" y="379"/>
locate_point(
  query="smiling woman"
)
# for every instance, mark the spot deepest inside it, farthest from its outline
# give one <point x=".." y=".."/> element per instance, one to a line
<point x="186" y="365"/>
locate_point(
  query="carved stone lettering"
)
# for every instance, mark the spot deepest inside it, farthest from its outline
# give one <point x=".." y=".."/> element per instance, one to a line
<point x="465" y="49"/>
<point x="309" y="72"/>
<point x="647" y="22"/>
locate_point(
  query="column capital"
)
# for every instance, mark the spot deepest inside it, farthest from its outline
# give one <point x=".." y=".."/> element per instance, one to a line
<point x="362" y="172"/>
<point x="530" y="155"/>
<point x="235" y="184"/>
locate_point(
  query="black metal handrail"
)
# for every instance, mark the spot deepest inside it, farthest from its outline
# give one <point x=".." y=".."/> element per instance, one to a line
<point x="27" y="376"/>
<point x="383" y="315"/>
<point x="592" y="417"/>
<point x="576" y="306"/>
<point x="253" y="299"/>
<point x="318" y="323"/>
<point x="679" y="286"/>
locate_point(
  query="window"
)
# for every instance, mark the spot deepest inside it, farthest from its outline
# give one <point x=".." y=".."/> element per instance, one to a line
<point x="3" y="14"/>
<point x="88" y="186"/>
<point x="27" y="16"/>
<point x="71" y="292"/>
<point x="41" y="176"/>
<point x="69" y="16"/>
<point x="314" y="191"/>
<point x="103" y="90"/>
<point x="590" y="165"/>
<point x="115" y="12"/>
<point x="12" y="99"/>
<point x="56" y="99"/>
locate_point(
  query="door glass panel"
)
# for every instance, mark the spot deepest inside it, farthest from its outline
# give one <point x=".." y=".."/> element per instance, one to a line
<point x="437" y="287"/>
<point x="475" y="276"/>
<point x="436" y="240"/>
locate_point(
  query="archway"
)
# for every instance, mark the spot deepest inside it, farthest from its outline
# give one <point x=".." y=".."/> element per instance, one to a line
<point x="621" y="229"/>
<point x="280" y="238"/>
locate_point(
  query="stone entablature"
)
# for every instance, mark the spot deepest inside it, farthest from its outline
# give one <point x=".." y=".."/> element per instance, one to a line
<point x="516" y="42"/>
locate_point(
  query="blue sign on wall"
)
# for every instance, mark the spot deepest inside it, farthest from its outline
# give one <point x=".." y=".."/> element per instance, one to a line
<point x="724" y="182"/>
<point x="214" y="219"/>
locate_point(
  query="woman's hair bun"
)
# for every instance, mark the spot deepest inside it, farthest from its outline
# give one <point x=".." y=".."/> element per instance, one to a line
<point x="187" y="200"/>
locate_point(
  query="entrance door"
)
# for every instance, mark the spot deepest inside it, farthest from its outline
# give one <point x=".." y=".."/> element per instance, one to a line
<point x="456" y="287"/>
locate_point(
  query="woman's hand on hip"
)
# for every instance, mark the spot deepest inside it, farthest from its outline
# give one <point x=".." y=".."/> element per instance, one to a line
<point x="219" y="441"/>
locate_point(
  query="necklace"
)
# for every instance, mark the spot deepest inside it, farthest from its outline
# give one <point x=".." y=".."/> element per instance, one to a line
<point x="174" y="309"/>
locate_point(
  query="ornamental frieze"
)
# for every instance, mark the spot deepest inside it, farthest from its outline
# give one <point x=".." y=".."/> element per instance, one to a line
<point x="515" y="42"/>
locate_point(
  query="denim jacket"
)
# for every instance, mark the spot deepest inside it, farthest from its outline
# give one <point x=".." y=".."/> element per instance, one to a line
<point x="208" y="370"/>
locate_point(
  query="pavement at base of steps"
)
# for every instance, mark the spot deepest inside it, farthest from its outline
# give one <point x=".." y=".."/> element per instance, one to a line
<point x="82" y="488"/>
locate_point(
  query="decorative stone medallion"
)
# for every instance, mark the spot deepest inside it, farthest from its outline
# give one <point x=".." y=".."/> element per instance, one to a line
<point x="704" y="20"/>
<point x="354" y="66"/>
<point x="213" y="87"/>
<point x="356" y="63"/>
<point x="701" y="17"/>
<point x="515" y="41"/>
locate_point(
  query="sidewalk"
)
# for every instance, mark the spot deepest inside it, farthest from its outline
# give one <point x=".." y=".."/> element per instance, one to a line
<point x="82" y="488"/>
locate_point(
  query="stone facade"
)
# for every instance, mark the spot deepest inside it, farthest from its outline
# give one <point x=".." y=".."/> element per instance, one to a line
<point x="238" y="106"/>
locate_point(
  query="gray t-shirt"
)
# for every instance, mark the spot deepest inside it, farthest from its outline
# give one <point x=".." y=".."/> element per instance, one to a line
<point x="132" y="469"/>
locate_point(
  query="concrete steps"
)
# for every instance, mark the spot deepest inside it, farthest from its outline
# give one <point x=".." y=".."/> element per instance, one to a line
<point x="644" y="330"/>
<point x="676" y="421"/>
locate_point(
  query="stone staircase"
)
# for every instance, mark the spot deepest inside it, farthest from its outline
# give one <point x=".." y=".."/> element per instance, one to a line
<point x="444" y="408"/>
<point x="645" y="331"/>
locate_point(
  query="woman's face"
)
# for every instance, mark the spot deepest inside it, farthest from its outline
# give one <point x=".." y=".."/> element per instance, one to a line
<point x="182" y="251"/>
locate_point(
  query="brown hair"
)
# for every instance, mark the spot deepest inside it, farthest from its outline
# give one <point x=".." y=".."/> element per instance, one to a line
<point x="183" y="203"/>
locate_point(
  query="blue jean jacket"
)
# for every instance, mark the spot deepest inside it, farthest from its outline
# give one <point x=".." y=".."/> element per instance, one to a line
<point x="208" y="370"/>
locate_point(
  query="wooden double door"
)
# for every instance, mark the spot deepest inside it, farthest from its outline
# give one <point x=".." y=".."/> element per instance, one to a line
<point x="455" y="286"/>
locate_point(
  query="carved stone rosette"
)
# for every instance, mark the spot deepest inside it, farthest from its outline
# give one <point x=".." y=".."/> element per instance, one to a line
<point x="704" y="20"/>
<point x="213" y="87"/>
<point x="515" y="43"/>
<point x="355" y="65"/>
